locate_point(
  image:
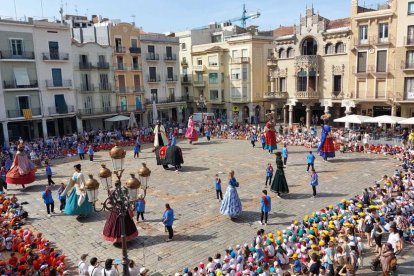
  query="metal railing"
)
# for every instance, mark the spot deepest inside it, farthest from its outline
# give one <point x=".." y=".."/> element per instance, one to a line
<point x="186" y="79"/>
<point x="172" y="78"/>
<point x="407" y="64"/>
<point x="61" y="83"/>
<point x="12" y="55"/>
<point x="376" y="70"/>
<point x="309" y="94"/>
<point x="275" y="94"/>
<point x="105" y="87"/>
<point x="87" y="87"/>
<point x="55" y="56"/>
<point x="152" y="56"/>
<point x="119" y="50"/>
<point x="61" y="109"/>
<point x="97" y="111"/>
<point x="199" y="83"/>
<point x="136" y="67"/>
<point x="171" y="99"/>
<point x="135" y="50"/>
<point x="120" y="66"/>
<point x="154" y="78"/>
<point x="85" y="66"/>
<point x="13" y="84"/>
<point x="138" y="89"/>
<point x="240" y="60"/>
<point x="409" y="40"/>
<point x="172" y="57"/>
<point x="102" y="65"/>
<point x="17" y="113"/>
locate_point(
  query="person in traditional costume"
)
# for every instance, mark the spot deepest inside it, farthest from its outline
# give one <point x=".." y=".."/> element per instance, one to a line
<point x="112" y="228"/>
<point x="270" y="134"/>
<point x="279" y="184"/>
<point x="22" y="171"/>
<point x="231" y="204"/>
<point x="160" y="138"/>
<point x="191" y="133"/>
<point x="326" y="147"/>
<point x="77" y="202"/>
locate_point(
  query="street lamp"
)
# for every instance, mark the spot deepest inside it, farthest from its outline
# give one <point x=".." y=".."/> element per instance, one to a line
<point x="201" y="104"/>
<point x="144" y="174"/>
<point x="105" y="176"/>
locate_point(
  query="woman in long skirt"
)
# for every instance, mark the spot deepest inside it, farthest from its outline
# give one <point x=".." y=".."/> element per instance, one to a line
<point x="279" y="184"/>
<point x="231" y="204"/>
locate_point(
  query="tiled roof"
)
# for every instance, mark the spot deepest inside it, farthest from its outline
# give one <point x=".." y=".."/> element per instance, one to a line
<point x="283" y="30"/>
<point x="339" y="23"/>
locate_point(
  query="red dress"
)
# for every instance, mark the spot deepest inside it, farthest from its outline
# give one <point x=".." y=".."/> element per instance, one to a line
<point x="22" y="171"/>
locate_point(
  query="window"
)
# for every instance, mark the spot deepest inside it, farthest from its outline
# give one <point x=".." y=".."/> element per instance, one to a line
<point x="60" y="104"/>
<point x="154" y="95"/>
<point x="85" y="82"/>
<point x="244" y="75"/>
<point x="282" y="84"/>
<point x="215" y="38"/>
<point x="410" y="35"/>
<point x="151" y="49"/>
<point x="270" y="53"/>
<point x="199" y="61"/>
<point x="383" y="31"/>
<point x="281" y="53"/>
<point x="137" y="83"/>
<point x="168" y="50"/>
<point x="214" y="95"/>
<point x="135" y="64"/>
<point x="118" y="45"/>
<point x="101" y="60"/>
<point x="134" y="43"/>
<point x="409" y="62"/>
<point x="337" y="84"/>
<point x="103" y="82"/>
<point x="309" y="47"/>
<point x="152" y="73"/>
<point x="235" y="54"/>
<point x="213" y="60"/>
<point x="106" y="103"/>
<point x="54" y="49"/>
<point x="363" y="34"/>
<point x="411" y="7"/>
<point x="88" y="103"/>
<point x="245" y="53"/>
<point x="362" y="62"/>
<point x="382" y="61"/>
<point x="23" y="102"/>
<point x="289" y="53"/>
<point x="409" y="88"/>
<point x="170" y="73"/>
<point x="171" y="95"/>
<point x="183" y="46"/>
<point x="236" y="74"/>
<point x="16" y="47"/>
<point x="340" y="48"/>
<point x="120" y="63"/>
<point x="329" y="49"/>
<point x="244" y="91"/>
<point x="236" y="92"/>
<point x="138" y="102"/>
<point x="213" y="78"/>
<point x="123" y="102"/>
<point x="199" y="76"/>
<point x="57" y="77"/>
<point x="83" y="59"/>
<point x="302" y="80"/>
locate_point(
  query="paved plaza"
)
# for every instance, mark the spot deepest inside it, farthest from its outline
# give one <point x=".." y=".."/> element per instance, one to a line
<point x="200" y="230"/>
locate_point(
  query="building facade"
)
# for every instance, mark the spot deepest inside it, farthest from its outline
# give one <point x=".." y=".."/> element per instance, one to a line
<point x="160" y="67"/>
<point x="93" y="81"/>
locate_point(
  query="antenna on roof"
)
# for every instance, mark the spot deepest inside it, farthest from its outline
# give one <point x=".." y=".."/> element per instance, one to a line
<point x="133" y="19"/>
<point x="41" y="6"/>
<point x="15" y="10"/>
<point x="76" y="9"/>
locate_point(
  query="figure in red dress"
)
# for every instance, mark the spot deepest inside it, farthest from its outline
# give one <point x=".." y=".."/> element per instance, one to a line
<point x="270" y="134"/>
<point x="22" y="171"/>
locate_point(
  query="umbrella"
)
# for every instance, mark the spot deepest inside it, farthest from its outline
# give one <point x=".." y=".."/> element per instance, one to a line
<point x="132" y="121"/>
<point x="385" y="119"/>
<point x="409" y="121"/>
<point x="117" y="118"/>
<point x="154" y="113"/>
<point x="353" y="119"/>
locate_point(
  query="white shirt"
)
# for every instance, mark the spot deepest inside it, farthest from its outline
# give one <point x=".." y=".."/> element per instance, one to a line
<point x="111" y="272"/>
<point x="83" y="268"/>
<point x="134" y="271"/>
<point x="94" y="271"/>
<point x="393" y="238"/>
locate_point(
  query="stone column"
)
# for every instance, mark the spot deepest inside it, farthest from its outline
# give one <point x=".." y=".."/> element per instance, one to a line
<point x="290" y="115"/>
<point x="326" y="109"/>
<point x="44" y="128"/>
<point x="5" y="133"/>
<point x="285" y="115"/>
<point x="272" y="84"/>
<point x="393" y="110"/>
<point x="347" y="113"/>
<point x="308" y="116"/>
<point x="79" y="125"/>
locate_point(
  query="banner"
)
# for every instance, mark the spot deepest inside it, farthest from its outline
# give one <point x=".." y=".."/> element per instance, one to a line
<point x="27" y="113"/>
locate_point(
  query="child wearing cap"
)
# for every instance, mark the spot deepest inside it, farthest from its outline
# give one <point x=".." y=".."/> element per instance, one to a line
<point x="296" y="266"/>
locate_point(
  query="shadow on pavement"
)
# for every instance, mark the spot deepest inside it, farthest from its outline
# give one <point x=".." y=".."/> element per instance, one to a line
<point x="362" y="159"/>
<point x="194" y="169"/>
<point x="254" y="216"/>
<point x="309" y="195"/>
<point x="146" y="241"/>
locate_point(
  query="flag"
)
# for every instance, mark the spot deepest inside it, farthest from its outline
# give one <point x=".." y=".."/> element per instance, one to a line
<point x="27" y="113"/>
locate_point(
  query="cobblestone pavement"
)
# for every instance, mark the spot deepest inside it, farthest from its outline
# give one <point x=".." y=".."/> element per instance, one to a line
<point x="200" y="231"/>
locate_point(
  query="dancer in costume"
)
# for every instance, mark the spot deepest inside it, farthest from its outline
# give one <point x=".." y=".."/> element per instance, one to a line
<point x="191" y="134"/>
<point x="279" y="184"/>
<point x="112" y="228"/>
<point x="231" y="204"/>
<point x="270" y="134"/>
<point x="77" y="202"/>
<point x="326" y="147"/>
<point x="160" y="138"/>
<point x="22" y="171"/>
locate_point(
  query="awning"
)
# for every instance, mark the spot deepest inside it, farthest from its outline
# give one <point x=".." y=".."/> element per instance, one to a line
<point x="117" y="118"/>
<point x="21" y="76"/>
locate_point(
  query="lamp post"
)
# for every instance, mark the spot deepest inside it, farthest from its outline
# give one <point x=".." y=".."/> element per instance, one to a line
<point x="144" y="175"/>
<point x="120" y="199"/>
<point x="201" y="103"/>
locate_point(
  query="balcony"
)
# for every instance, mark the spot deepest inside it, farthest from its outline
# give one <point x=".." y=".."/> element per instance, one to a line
<point x="409" y="41"/>
<point x="199" y="83"/>
<point x="122" y="89"/>
<point x="275" y="95"/>
<point x="12" y="85"/>
<point x="153" y="79"/>
<point x="51" y="84"/>
<point x="337" y="95"/>
<point x="360" y="72"/>
<point x="172" y="58"/>
<point x="186" y="79"/>
<point x="85" y="66"/>
<point x="271" y="62"/>
<point x="128" y="108"/>
<point x="310" y="61"/>
<point x="136" y="67"/>
<point x="120" y="66"/>
<point x="184" y="63"/>
<point x="239" y="99"/>
<point x="96" y="111"/>
<point x="199" y="68"/>
<point x="86" y="87"/>
<point x="172" y="99"/>
<point x="138" y="89"/>
<point x="362" y="43"/>
<point x="152" y="56"/>
<point x="55" y="56"/>
<point x="216" y="100"/>
<point x="119" y="50"/>
<point x="105" y="87"/>
<point x="12" y="55"/>
<point x="135" y="50"/>
<point x="240" y="60"/>
<point x="102" y="65"/>
<point x="380" y="72"/>
<point x="18" y="113"/>
<point x="53" y="110"/>
<point x="382" y="41"/>
<point x="171" y="78"/>
<point x="213" y="65"/>
<point x="407" y="65"/>
<point x="309" y="94"/>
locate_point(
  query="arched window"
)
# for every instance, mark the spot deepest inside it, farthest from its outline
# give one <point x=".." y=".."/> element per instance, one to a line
<point x="289" y="52"/>
<point x="309" y="47"/>
<point x="281" y="53"/>
<point x="339" y="48"/>
<point x="329" y="49"/>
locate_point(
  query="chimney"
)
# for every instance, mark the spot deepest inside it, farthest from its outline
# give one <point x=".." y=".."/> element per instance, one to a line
<point x="95" y="19"/>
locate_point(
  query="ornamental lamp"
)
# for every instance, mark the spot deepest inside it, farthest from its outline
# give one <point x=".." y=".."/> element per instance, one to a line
<point x="92" y="188"/>
<point x="105" y="176"/>
<point x="117" y="155"/>
<point x="144" y="174"/>
<point x="133" y="185"/>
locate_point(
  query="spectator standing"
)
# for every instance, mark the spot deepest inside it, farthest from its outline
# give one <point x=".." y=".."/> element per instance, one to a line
<point x="137" y="148"/>
<point x="90" y="153"/>
<point x="263" y="140"/>
<point x="285" y="154"/>
<point x="48" y="200"/>
<point x="62" y="197"/>
<point x="269" y="174"/>
<point x="81" y="152"/>
<point x="253" y="139"/>
<point x="314" y="181"/>
<point x="168" y="220"/>
<point x="207" y="133"/>
<point x="49" y="174"/>
<point x="82" y="266"/>
<point x="94" y="269"/>
<point x="219" y="192"/>
<point x="140" y="207"/>
<point x="265" y="207"/>
<point x="109" y="270"/>
<point x="310" y="158"/>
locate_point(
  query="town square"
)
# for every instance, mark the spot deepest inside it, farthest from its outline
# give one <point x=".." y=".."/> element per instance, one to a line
<point x="207" y="138"/>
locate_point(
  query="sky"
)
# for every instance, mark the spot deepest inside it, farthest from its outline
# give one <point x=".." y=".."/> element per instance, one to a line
<point x="179" y="15"/>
